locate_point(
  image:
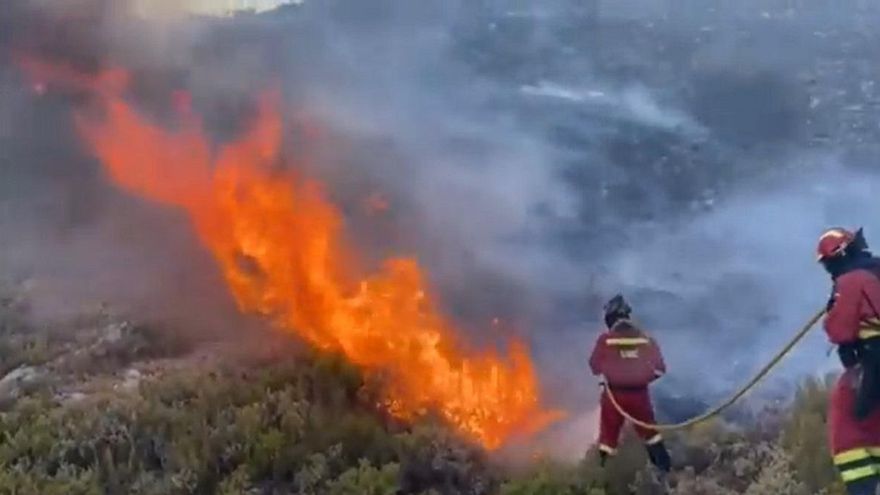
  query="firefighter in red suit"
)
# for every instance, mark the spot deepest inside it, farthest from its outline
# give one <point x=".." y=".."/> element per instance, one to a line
<point x="853" y="323"/>
<point x="629" y="360"/>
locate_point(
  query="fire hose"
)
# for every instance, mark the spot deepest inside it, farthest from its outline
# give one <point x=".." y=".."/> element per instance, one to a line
<point x="717" y="410"/>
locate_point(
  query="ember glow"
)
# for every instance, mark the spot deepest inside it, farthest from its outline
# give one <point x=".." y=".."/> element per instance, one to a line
<point x="279" y="244"/>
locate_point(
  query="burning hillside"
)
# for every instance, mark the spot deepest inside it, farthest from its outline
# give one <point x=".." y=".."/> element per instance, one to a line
<point x="281" y="248"/>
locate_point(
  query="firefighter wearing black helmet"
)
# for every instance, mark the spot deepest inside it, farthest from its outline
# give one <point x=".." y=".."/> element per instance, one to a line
<point x="628" y="360"/>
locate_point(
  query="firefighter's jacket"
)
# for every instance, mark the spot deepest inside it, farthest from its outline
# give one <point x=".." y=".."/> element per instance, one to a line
<point x="854" y="315"/>
<point x="627" y="357"/>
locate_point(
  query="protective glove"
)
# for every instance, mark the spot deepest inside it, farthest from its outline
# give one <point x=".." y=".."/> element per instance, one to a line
<point x="831" y="300"/>
<point x="848" y="354"/>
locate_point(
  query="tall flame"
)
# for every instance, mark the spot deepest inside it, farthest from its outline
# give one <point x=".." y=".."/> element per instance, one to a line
<point x="278" y="242"/>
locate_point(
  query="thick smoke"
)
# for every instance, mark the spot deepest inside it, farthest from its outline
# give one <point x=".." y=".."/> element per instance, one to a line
<point x="536" y="158"/>
<point x="69" y="238"/>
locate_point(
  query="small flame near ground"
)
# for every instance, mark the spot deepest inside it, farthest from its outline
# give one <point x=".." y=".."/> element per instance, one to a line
<point x="278" y="242"/>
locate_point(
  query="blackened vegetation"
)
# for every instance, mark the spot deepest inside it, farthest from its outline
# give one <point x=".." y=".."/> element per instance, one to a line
<point x="749" y="110"/>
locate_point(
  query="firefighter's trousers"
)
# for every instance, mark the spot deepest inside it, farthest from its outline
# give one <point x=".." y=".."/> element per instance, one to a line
<point x="855" y="444"/>
<point x="636" y="402"/>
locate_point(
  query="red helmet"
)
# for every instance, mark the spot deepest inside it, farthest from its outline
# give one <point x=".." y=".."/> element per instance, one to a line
<point x="833" y="242"/>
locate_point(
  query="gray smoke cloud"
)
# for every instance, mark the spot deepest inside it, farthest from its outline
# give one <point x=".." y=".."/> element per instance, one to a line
<point x="536" y="159"/>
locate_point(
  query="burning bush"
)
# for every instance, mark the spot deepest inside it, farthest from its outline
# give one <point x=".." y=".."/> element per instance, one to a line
<point x="299" y="427"/>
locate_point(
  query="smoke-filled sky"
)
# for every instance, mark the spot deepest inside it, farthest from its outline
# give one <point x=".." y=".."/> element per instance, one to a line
<point x="536" y="159"/>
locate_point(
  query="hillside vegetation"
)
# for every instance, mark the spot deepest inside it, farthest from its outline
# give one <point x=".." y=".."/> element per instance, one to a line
<point x="105" y="406"/>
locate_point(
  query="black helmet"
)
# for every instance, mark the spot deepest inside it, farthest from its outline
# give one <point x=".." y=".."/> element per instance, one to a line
<point x="616" y="309"/>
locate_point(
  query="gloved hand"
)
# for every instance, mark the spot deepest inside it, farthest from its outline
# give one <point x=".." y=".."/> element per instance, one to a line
<point x="848" y="354"/>
<point x="831" y="300"/>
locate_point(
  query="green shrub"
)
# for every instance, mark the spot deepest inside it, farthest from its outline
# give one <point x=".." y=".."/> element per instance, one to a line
<point x="432" y="457"/>
<point x="306" y="426"/>
<point x="548" y="478"/>
<point x="311" y="425"/>
<point x="191" y="431"/>
<point x="365" y="480"/>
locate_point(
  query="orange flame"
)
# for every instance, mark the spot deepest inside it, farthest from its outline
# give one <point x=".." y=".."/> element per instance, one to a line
<point x="278" y="242"/>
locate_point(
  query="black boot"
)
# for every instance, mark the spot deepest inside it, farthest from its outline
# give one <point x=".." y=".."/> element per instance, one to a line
<point x="659" y="456"/>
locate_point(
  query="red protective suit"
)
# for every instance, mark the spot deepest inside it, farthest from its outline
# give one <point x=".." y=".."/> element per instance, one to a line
<point x="853" y="319"/>
<point x="629" y="360"/>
